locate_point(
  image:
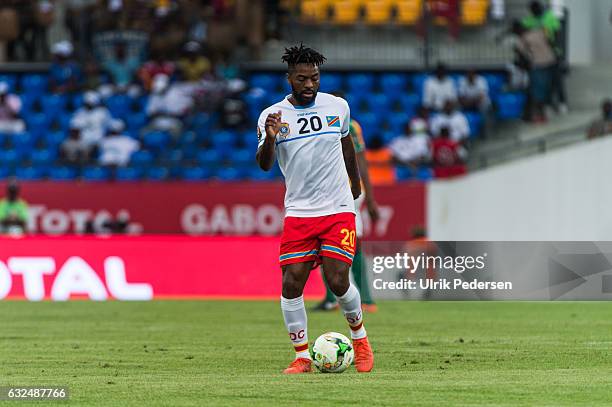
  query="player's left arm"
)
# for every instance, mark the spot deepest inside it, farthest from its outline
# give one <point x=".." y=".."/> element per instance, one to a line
<point x="350" y="161"/>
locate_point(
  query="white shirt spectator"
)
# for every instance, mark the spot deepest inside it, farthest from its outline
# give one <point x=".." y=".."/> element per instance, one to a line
<point x="455" y="121"/>
<point x="410" y="148"/>
<point x="437" y="92"/>
<point x="10" y="106"/>
<point x="93" y="121"/>
<point x="479" y="88"/>
<point x="117" y="150"/>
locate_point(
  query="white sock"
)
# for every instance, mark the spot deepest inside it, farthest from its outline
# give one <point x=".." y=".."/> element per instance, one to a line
<point x="296" y="323"/>
<point x="350" y="303"/>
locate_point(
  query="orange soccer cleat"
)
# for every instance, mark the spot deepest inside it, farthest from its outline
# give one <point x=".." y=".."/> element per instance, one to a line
<point x="364" y="357"/>
<point x="300" y="365"/>
<point x="369" y="308"/>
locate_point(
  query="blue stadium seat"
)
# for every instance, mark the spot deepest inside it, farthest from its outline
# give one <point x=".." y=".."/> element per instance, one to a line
<point x="209" y="158"/>
<point x="380" y="104"/>
<point x="360" y="82"/>
<point x="95" y="174"/>
<point x="54" y="138"/>
<point x="142" y="158"/>
<point x="30" y="173"/>
<point x="4" y="172"/>
<point x="496" y="83"/>
<point x="173" y="156"/>
<point x="424" y="174"/>
<point x="409" y="102"/>
<point x="397" y="121"/>
<point x="23" y="142"/>
<point x="119" y="106"/>
<point x="260" y="175"/>
<point x="54" y="105"/>
<point x="38" y="125"/>
<point x="135" y="122"/>
<point x="225" y="142"/>
<point x="158" y="174"/>
<point x="404" y="173"/>
<point x="62" y="173"/>
<point x="266" y="81"/>
<point x="27" y="104"/>
<point x="355" y="100"/>
<point x="128" y="174"/>
<point x="156" y="140"/>
<point x="10" y="80"/>
<point x="331" y="82"/>
<point x="243" y="158"/>
<point x="44" y="157"/>
<point x="77" y="101"/>
<point x="510" y="105"/>
<point x="195" y="173"/>
<point x="418" y="83"/>
<point x="370" y="123"/>
<point x="230" y="174"/>
<point x="9" y="157"/>
<point x="475" y="121"/>
<point x="34" y="84"/>
<point x="387" y="136"/>
<point x="393" y="85"/>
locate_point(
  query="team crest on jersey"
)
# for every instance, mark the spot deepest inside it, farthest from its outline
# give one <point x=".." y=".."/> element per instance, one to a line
<point x="284" y="130"/>
<point x="333" y="121"/>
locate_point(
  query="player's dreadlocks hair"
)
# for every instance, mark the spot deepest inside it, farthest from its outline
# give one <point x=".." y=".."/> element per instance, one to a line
<point x="302" y="55"/>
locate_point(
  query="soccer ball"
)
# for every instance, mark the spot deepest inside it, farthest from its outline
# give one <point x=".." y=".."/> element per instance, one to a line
<point x="332" y="353"/>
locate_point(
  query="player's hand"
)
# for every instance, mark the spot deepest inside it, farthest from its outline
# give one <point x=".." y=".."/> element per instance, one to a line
<point x="273" y="124"/>
<point x="373" y="210"/>
<point x="356" y="189"/>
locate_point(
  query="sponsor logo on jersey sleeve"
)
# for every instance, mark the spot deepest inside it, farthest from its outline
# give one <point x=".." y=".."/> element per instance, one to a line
<point x="333" y="121"/>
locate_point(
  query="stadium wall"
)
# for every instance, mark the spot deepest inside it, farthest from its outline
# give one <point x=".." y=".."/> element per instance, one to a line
<point x="563" y="195"/>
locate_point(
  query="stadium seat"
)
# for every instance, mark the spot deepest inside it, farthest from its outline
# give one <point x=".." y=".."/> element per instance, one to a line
<point x="4" y="172"/>
<point x="209" y="158"/>
<point x="356" y="100"/>
<point x="172" y="157"/>
<point x="23" y="142"/>
<point x="230" y="174"/>
<point x="378" y="11"/>
<point x="9" y="157"/>
<point x="128" y="174"/>
<point x="393" y="85"/>
<point x="243" y="158"/>
<point x="474" y="12"/>
<point x="156" y="140"/>
<point x="360" y="82"/>
<point x="418" y="83"/>
<point x="53" y="105"/>
<point x="30" y="173"/>
<point x="95" y="174"/>
<point x="44" y="157"/>
<point x="408" y="12"/>
<point x="270" y="82"/>
<point x="38" y="125"/>
<point x="510" y="105"/>
<point x="261" y="175"/>
<point x="142" y="158"/>
<point x="345" y="12"/>
<point x="135" y="122"/>
<point x="496" y="83"/>
<point x="404" y="173"/>
<point x="10" y="80"/>
<point x="379" y="104"/>
<point x="475" y="121"/>
<point x="34" y="84"/>
<point x="331" y="82"/>
<point x="53" y="139"/>
<point x="424" y="174"/>
<point x="370" y="123"/>
<point x="397" y="121"/>
<point x="225" y="142"/>
<point x="314" y="10"/>
<point x="158" y="174"/>
<point x="119" y="106"/>
<point x="195" y="173"/>
<point x="409" y="102"/>
<point x="62" y="173"/>
<point x="76" y="102"/>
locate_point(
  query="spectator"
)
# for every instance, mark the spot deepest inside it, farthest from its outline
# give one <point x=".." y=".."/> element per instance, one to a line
<point x="421" y="117"/>
<point x="92" y="119"/>
<point x="157" y="66"/>
<point x="546" y="20"/>
<point x="454" y="120"/>
<point x="447" y="156"/>
<point x="193" y="65"/>
<point x="73" y="151"/>
<point x="474" y="92"/>
<point x="64" y="73"/>
<point x="439" y="89"/>
<point x="234" y="110"/>
<point x="10" y="106"/>
<point x="411" y="148"/>
<point x="380" y="163"/>
<point x="13" y="211"/>
<point x="535" y="48"/>
<point x="122" y="67"/>
<point x="117" y="148"/>
<point x="602" y="126"/>
<point x="518" y="75"/>
<point x="168" y="106"/>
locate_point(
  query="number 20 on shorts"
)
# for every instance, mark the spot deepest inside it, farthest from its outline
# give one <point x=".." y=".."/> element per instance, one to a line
<point x="349" y="237"/>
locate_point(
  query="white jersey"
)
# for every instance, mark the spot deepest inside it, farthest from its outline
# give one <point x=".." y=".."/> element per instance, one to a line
<point x="309" y="153"/>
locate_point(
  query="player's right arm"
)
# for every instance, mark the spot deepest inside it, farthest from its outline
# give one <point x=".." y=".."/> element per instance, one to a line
<point x="267" y="138"/>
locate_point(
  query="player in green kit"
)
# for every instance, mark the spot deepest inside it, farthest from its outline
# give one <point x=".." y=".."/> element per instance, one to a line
<point x="359" y="274"/>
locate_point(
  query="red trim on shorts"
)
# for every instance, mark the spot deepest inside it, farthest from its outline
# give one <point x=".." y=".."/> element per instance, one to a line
<point x="299" y="260"/>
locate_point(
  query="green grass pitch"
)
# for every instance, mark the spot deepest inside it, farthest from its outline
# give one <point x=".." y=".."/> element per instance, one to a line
<point x="200" y="353"/>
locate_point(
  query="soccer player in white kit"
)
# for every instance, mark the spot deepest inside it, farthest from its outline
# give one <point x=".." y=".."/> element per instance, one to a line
<point x="308" y="132"/>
